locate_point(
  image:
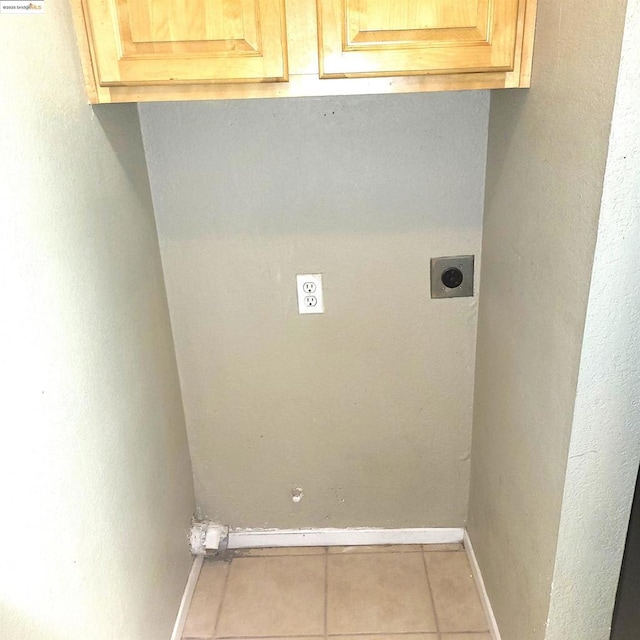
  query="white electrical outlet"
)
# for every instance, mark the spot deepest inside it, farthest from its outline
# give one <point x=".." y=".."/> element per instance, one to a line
<point x="310" y="298"/>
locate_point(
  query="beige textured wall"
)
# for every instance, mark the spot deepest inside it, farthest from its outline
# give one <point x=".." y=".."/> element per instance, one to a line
<point x="605" y="439"/>
<point x="95" y="482"/>
<point x="545" y="167"/>
<point x="367" y="407"/>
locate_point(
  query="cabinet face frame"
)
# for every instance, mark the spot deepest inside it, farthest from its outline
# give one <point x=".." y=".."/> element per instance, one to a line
<point x="352" y="44"/>
<point x="304" y="80"/>
<point x="126" y="51"/>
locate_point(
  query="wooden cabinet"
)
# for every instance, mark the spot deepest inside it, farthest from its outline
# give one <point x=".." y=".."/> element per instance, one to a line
<point x="139" y="42"/>
<point x="140" y="50"/>
<point x="411" y="37"/>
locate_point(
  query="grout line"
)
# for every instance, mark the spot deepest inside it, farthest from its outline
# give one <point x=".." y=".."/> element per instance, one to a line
<point x="241" y="553"/>
<point x="354" y="552"/>
<point x="433" y="602"/>
<point x="326" y="592"/>
<point x="385" y="635"/>
<point x="224" y="594"/>
<point x="264" y="637"/>
<point x="408" y="634"/>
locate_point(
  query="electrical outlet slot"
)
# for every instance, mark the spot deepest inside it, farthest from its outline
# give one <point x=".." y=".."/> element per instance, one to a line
<point x="310" y="295"/>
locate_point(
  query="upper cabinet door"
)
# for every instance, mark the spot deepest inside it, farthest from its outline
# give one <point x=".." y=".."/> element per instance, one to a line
<point x="414" y="37"/>
<point x="139" y="42"/>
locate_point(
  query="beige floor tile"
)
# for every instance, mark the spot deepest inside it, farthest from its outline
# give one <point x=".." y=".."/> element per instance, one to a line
<point x="203" y="612"/>
<point x="280" y="551"/>
<point x="465" y="636"/>
<point x="380" y="548"/>
<point x="378" y="593"/>
<point x="454" y="593"/>
<point x="274" y="596"/>
<point x="457" y="546"/>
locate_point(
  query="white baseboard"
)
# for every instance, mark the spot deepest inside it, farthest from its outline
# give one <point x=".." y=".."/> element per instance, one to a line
<point x="192" y="580"/>
<point x="256" y="538"/>
<point x="482" y="591"/>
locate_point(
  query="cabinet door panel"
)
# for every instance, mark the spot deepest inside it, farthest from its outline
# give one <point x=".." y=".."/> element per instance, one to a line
<point x="176" y="41"/>
<point x="414" y="37"/>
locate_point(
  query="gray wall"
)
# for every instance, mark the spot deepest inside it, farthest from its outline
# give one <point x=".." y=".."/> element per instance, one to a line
<point x="95" y="481"/>
<point x="367" y="407"/>
<point x="545" y="168"/>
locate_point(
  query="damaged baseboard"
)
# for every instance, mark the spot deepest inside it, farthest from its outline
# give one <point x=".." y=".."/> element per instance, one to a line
<point x="255" y="538"/>
<point x="207" y="536"/>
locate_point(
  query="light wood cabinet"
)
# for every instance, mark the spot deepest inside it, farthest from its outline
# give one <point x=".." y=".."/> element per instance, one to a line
<point x="141" y="50"/>
<point x="139" y="42"/>
<point x="411" y="37"/>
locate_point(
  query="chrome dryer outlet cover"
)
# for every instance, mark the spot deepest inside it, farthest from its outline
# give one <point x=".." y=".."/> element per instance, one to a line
<point x="452" y="277"/>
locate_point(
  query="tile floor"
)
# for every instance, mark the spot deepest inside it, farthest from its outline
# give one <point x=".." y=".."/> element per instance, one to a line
<point x="341" y="593"/>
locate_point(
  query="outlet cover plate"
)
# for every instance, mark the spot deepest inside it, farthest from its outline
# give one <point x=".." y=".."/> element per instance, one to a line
<point x="310" y="295"/>
<point x="440" y="265"/>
